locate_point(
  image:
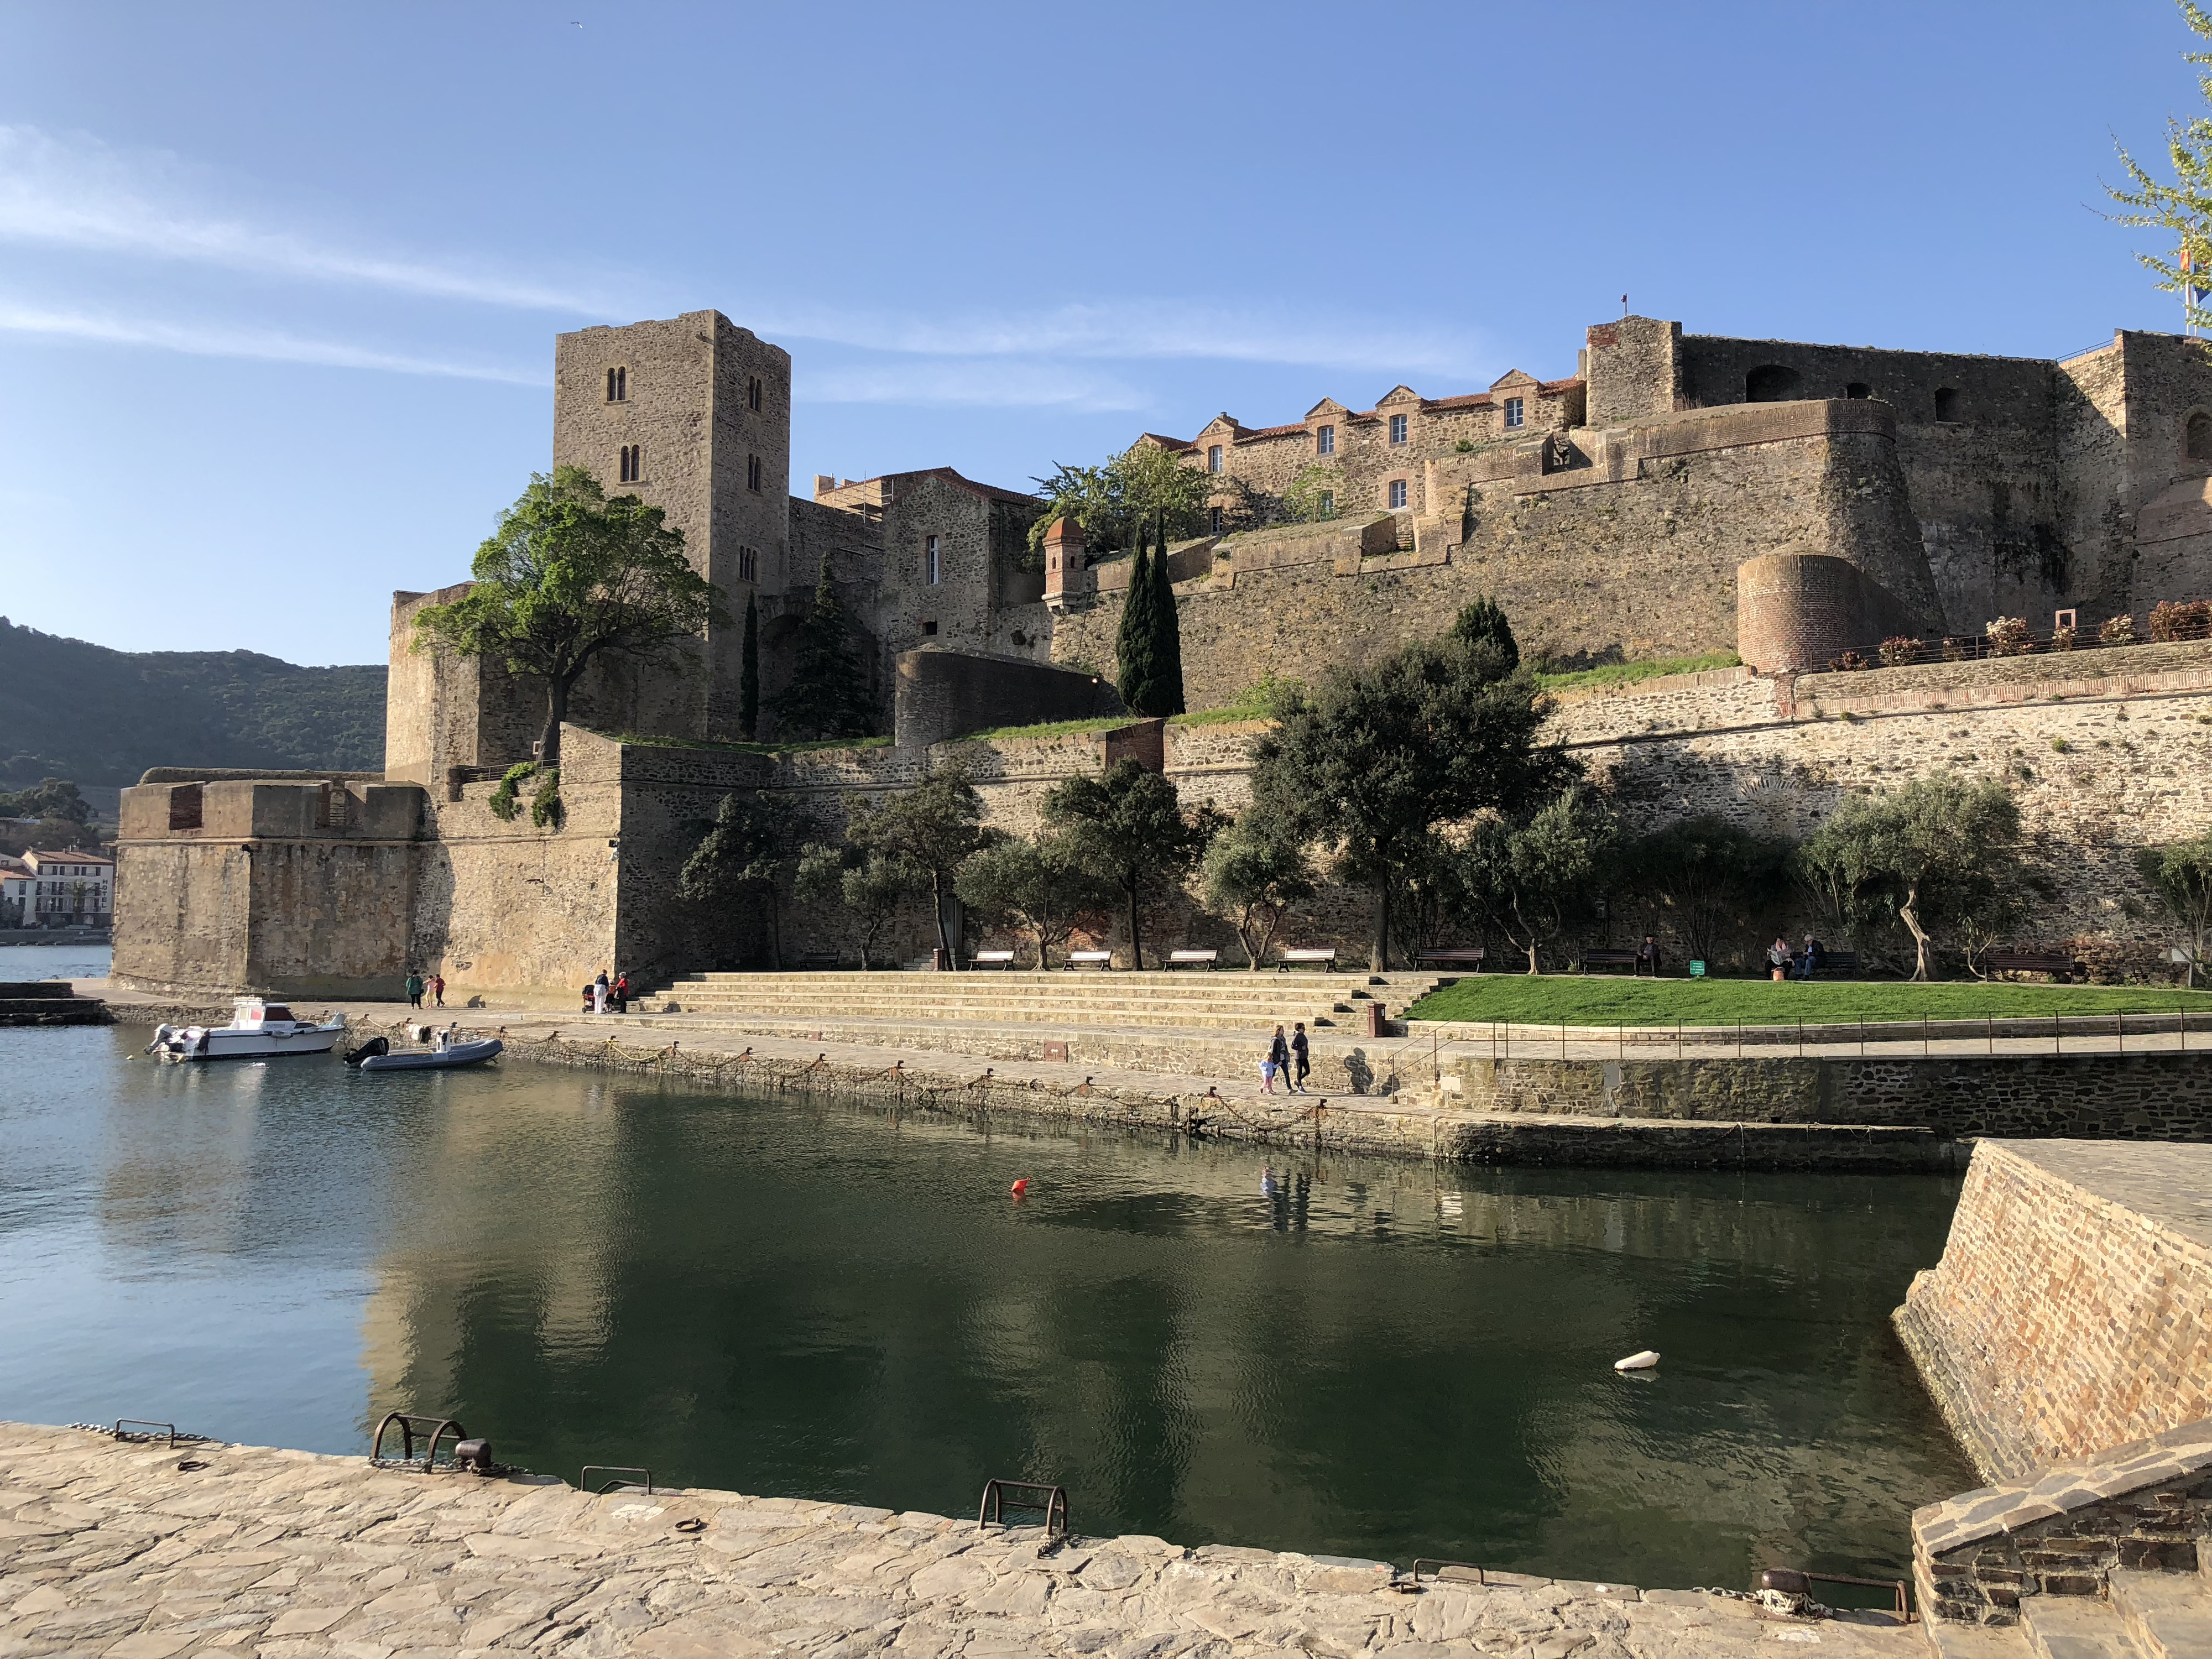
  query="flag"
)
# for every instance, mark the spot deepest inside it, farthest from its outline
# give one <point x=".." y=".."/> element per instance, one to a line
<point x="2196" y="294"/>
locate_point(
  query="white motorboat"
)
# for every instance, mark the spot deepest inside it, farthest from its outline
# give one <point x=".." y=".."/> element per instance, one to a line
<point x="447" y="1048"/>
<point x="257" y="1031"/>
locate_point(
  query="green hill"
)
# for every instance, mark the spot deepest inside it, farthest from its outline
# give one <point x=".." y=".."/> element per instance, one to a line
<point x="68" y="709"/>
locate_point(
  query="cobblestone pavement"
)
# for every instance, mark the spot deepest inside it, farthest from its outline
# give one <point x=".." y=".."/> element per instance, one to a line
<point x="141" y="1552"/>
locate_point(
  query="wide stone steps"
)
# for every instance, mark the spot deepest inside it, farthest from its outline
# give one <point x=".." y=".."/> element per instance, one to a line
<point x="1126" y="1000"/>
<point x="2144" y="1616"/>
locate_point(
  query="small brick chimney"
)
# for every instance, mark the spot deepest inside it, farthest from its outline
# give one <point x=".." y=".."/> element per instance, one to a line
<point x="1066" y="574"/>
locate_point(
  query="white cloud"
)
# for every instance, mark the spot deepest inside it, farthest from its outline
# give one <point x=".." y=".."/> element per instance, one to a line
<point x="988" y="383"/>
<point x="261" y="344"/>
<point x="86" y="195"/>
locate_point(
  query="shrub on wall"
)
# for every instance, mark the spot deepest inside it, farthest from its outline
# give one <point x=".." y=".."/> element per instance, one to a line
<point x="2008" y="636"/>
<point x="1899" y="649"/>
<point x="2120" y="631"/>
<point x="2181" y="619"/>
<point x="502" y="798"/>
<point x="2062" y="639"/>
<point x="1850" y="662"/>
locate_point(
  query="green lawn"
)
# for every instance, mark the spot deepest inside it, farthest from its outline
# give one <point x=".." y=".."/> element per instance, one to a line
<point x="1627" y="673"/>
<point x="1557" y="1000"/>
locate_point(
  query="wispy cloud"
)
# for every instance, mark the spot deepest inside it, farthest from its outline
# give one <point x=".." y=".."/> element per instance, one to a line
<point x="83" y="194"/>
<point x="261" y="344"/>
<point x="989" y="383"/>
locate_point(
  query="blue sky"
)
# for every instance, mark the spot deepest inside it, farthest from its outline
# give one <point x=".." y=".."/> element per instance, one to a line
<point x="278" y="283"/>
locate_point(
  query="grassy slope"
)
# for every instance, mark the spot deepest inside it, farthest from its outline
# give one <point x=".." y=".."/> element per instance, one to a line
<point x="1627" y="673"/>
<point x="1555" y="999"/>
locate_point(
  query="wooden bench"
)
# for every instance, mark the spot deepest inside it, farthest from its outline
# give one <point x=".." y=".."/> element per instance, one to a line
<point x="1002" y="959"/>
<point x="1207" y="959"/>
<point x="1102" y="960"/>
<point x="1838" y="962"/>
<point x="1608" y="959"/>
<point x="2056" y="963"/>
<point x="814" y="960"/>
<point x="1316" y="957"/>
<point x="1462" y="956"/>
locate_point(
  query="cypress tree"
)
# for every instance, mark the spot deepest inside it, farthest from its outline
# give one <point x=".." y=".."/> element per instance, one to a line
<point x="749" y="674"/>
<point x="1485" y="619"/>
<point x="827" y="697"/>
<point x="1167" y="631"/>
<point x="1133" y="647"/>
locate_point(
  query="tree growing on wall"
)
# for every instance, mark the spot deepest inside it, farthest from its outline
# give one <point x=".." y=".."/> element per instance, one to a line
<point x="1045" y="887"/>
<point x="1375" y="759"/>
<point x="749" y="673"/>
<point x="740" y="863"/>
<point x="1485" y="619"/>
<point x="1254" y="872"/>
<point x="1933" y="855"/>
<point x="570" y="576"/>
<point x="935" y="828"/>
<point x="1126" y="496"/>
<point x="1531" y="878"/>
<point x="1149" y="646"/>
<point x="828" y="696"/>
<point x="1130" y="826"/>
<point x="2180" y="873"/>
<point x="1710" y="876"/>
<point x="874" y="886"/>
<point x="2182" y="210"/>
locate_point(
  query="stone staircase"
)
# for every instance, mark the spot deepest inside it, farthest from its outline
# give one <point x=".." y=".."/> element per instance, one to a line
<point x="48" y="1002"/>
<point x="1180" y="1001"/>
<point x="2102" y="1558"/>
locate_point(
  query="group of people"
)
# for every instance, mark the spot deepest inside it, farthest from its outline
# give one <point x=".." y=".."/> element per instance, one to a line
<point x="1288" y="1060"/>
<point x="1795" y="964"/>
<point x="604" y="995"/>
<point x="418" y="988"/>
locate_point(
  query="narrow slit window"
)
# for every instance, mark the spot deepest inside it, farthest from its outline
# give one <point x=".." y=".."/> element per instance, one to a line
<point x="753" y="391"/>
<point x="1397" y="492"/>
<point x="932" y="568"/>
<point x="753" y="473"/>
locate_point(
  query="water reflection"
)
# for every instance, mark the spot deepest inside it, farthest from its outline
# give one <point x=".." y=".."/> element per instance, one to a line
<point x="1207" y="1343"/>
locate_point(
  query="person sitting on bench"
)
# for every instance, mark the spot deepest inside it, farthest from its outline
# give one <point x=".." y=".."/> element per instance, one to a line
<point x="1810" y="962"/>
<point x="1647" y="955"/>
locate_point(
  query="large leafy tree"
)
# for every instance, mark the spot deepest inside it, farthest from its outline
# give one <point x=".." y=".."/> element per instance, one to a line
<point x="570" y="576"/>
<point x="828" y="696"/>
<point x="1532" y="877"/>
<point x="874" y="887"/>
<point x="2181" y="209"/>
<point x="2180" y="873"/>
<point x="1126" y="496"/>
<point x="1939" y="855"/>
<point x="1130" y="826"/>
<point x="51" y="798"/>
<point x="740" y="862"/>
<point x="1043" y="886"/>
<point x="1710" y="876"/>
<point x="1376" y="759"/>
<point x="935" y="829"/>
<point x="1254" y="872"/>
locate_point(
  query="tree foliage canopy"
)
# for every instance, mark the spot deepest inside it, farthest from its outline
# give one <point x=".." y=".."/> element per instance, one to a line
<point x="829" y="695"/>
<point x="572" y="573"/>
<point x="934" y="827"/>
<point x="1485" y="619"/>
<point x="874" y="886"/>
<point x="1936" y="855"/>
<point x="2183" y="209"/>
<point x="1709" y="875"/>
<point x="2180" y="873"/>
<point x="1254" y="872"/>
<point x="1044" y="886"/>
<point x="739" y="861"/>
<point x="1148" y="647"/>
<point x="1128" y="494"/>
<point x="1530" y="878"/>
<point x="1131" y="826"/>
<point x="1376" y="758"/>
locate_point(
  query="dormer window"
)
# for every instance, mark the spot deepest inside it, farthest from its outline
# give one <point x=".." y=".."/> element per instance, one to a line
<point x="1213" y="458"/>
<point x="1515" y="412"/>
<point x="1325" y="441"/>
<point x="1397" y="428"/>
<point x="618" y="385"/>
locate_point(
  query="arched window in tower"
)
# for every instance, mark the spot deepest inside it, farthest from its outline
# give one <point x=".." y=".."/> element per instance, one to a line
<point x="2198" y="435"/>
<point x="630" y="463"/>
<point x="753" y="473"/>
<point x="618" y="385"/>
<point x="753" y="391"/>
<point x="1771" y="383"/>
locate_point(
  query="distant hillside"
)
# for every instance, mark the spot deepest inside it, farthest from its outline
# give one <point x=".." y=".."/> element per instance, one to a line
<point x="68" y="709"/>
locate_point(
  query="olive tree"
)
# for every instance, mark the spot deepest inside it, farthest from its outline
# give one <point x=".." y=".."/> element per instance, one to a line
<point x="1529" y="877"/>
<point x="873" y="887"/>
<point x="935" y="828"/>
<point x="2180" y="873"/>
<point x="741" y="860"/>
<point x="1255" y="871"/>
<point x="1044" y="886"/>
<point x="1131" y="826"/>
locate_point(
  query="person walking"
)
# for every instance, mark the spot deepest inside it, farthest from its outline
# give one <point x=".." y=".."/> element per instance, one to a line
<point x="1278" y="1061"/>
<point x="414" y="989"/>
<point x="1301" y="1065"/>
<point x="599" y="993"/>
<point x="438" y="989"/>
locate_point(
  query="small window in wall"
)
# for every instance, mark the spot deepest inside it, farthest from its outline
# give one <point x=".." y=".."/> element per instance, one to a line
<point x="1328" y="504"/>
<point x="1947" y="403"/>
<point x="1397" y="492"/>
<point x="631" y="462"/>
<point x="929" y="625"/>
<point x="1213" y="458"/>
<point x="184" y="806"/>
<point x="753" y="391"/>
<point x="1397" y="428"/>
<point x="1858" y="389"/>
<point x="1771" y="384"/>
<point x="2199" y="436"/>
<point x="1516" y="411"/>
<point x="1325" y="441"/>
<point x="753" y="473"/>
<point x="618" y="385"/>
<point x="748" y="565"/>
<point x="932" y="568"/>
<point x="1213" y="521"/>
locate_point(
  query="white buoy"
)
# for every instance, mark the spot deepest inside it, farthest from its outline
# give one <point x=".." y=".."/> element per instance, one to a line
<point x="1636" y="1362"/>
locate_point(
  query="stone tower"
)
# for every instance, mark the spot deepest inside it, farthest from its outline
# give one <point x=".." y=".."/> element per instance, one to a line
<point x="694" y="414"/>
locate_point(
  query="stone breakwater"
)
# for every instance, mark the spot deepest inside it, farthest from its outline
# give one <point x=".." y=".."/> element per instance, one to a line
<point x="138" y="1551"/>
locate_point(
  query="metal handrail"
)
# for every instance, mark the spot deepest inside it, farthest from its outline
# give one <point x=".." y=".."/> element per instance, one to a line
<point x="407" y="1421"/>
<point x="1767" y="1580"/>
<point x="584" y="1479"/>
<point x="140" y="1422"/>
<point x="991" y="1510"/>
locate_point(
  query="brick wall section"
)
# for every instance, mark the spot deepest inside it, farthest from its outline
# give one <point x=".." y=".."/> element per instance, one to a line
<point x="2066" y="1315"/>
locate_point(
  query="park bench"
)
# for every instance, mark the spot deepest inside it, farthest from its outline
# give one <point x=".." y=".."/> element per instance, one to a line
<point x="1608" y="959"/>
<point x="1101" y="960"/>
<point x="1206" y="959"/>
<point x="1839" y="962"/>
<point x="2056" y="963"/>
<point x="814" y="960"/>
<point x="1308" y="957"/>
<point x="1000" y="959"/>
<point x="1461" y="956"/>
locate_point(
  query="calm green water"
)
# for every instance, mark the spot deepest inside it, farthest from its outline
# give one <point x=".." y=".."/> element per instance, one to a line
<point x="1207" y="1343"/>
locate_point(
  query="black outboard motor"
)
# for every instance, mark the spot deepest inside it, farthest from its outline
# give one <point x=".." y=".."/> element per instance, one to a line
<point x="374" y="1046"/>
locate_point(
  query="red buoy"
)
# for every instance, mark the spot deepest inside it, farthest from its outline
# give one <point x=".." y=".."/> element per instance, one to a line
<point x="1021" y="1189"/>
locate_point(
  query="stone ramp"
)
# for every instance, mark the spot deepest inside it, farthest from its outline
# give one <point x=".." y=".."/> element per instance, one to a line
<point x="139" y="1551"/>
